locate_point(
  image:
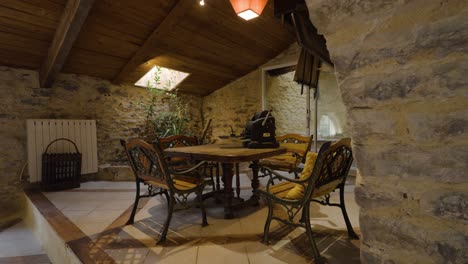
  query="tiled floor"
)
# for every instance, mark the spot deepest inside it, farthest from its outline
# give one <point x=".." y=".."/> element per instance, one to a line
<point x="99" y="209"/>
<point x="18" y="240"/>
<point x="19" y="245"/>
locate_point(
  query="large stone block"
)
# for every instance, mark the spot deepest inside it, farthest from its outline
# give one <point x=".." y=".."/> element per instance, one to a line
<point x="327" y="16"/>
<point x="392" y="85"/>
<point x="447" y="34"/>
<point x="370" y="195"/>
<point x="421" y="42"/>
<point x="375" y="125"/>
<point x="436" y="241"/>
<point x="446" y="121"/>
<point x="396" y="88"/>
<point x="413" y="197"/>
<point x="428" y="163"/>
<point x="447" y="203"/>
<point x="115" y="173"/>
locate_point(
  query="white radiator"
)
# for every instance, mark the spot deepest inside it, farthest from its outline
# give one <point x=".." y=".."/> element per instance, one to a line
<point x="41" y="132"/>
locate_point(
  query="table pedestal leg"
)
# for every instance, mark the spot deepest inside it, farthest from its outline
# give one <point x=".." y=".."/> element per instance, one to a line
<point x="217" y="177"/>
<point x="255" y="182"/>
<point x="228" y="191"/>
<point x="237" y="181"/>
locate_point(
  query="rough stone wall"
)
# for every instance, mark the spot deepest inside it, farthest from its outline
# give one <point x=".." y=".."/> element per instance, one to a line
<point x="283" y="96"/>
<point x="289" y="106"/>
<point x="115" y="109"/>
<point x="117" y="113"/>
<point x="402" y="67"/>
<point x="18" y="99"/>
<point x="234" y="104"/>
<point x="194" y="113"/>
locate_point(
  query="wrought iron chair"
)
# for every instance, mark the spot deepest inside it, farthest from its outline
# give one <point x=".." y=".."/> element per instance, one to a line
<point x="181" y="163"/>
<point x="150" y="168"/>
<point x="323" y="173"/>
<point x="297" y="147"/>
<point x="175" y="141"/>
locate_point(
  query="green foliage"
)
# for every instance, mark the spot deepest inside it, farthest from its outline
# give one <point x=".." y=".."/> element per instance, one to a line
<point x="165" y="123"/>
<point x="168" y="123"/>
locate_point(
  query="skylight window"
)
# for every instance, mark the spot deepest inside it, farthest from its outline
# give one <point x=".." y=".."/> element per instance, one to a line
<point x="162" y="78"/>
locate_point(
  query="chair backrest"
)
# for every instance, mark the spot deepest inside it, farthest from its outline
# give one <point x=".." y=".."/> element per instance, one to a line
<point x="289" y="140"/>
<point x="331" y="167"/>
<point x="147" y="161"/>
<point x="177" y="141"/>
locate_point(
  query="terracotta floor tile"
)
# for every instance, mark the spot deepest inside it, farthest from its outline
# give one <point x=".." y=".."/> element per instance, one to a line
<point x="186" y="254"/>
<point x="75" y="215"/>
<point x="235" y="253"/>
<point x="260" y="253"/>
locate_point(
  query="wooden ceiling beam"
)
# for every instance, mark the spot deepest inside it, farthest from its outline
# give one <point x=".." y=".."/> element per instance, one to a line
<point x="151" y="43"/>
<point x="73" y="18"/>
<point x="281" y="71"/>
<point x="181" y="63"/>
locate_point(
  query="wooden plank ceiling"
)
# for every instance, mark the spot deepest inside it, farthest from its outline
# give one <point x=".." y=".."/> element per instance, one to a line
<point x="121" y="40"/>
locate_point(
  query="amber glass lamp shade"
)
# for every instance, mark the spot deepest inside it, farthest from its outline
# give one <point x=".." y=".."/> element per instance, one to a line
<point x="248" y="9"/>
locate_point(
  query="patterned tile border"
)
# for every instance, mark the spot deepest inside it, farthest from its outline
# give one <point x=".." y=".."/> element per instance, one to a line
<point x="36" y="259"/>
<point x="82" y="245"/>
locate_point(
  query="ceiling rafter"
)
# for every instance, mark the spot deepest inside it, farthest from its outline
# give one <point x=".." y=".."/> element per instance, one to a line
<point x="72" y="20"/>
<point x="210" y="42"/>
<point x="148" y="49"/>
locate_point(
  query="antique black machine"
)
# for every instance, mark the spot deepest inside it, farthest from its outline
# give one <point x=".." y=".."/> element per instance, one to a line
<point x="260" y="131"/>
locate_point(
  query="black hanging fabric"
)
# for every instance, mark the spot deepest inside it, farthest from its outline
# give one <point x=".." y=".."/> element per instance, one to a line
<point x="307" y="70"/>
<point x="308" y="37"/>
<point x="314" y="49"/>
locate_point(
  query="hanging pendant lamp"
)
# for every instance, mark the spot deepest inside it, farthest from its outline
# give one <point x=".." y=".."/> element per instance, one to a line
<point x="248" y="9"/>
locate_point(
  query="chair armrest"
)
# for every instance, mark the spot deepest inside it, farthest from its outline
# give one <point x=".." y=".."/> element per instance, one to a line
<point x="271" y="195"/>
<point x="281" y="177"/>
<point x="189" y="170"/>
<point x="299" y="157"/>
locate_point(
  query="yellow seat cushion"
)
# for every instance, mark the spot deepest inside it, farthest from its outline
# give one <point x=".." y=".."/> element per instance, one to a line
<point x="297" y="192"/>
<point x="299" y="148"/>
<point x="185" y="182"/>
<point x="183" y="185"/>
<point x="180" y="182"/>
<point x="280" y="190"/>
<point x="283" y="161"/>
<point x="326" y="188"/>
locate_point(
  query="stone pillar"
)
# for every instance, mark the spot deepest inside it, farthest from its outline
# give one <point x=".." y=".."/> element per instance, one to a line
<point x="402" y="70"/>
